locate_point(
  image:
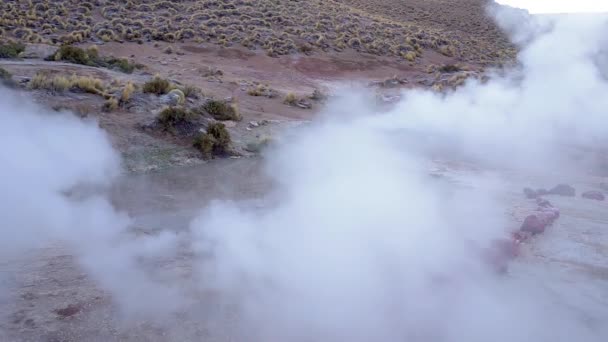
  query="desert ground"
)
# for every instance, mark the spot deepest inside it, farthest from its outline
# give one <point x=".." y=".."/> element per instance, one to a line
<point x="194" y="95"/>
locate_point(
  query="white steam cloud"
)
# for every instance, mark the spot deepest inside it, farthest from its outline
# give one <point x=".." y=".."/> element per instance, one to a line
<point x="358" y="243"/>
<point x="362" y="246"/>
<point x="48" y="161"/>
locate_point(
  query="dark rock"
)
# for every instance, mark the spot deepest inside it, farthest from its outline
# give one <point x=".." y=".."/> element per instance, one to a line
<point x="529" y="193"/>
<point x="538" y="222"/>
<point x="543" y="203"/>
<point x="563" y="190"/>
<point x="542" y="192"/>
<point x="69" y="310"/>
<point x="594" y="195"/>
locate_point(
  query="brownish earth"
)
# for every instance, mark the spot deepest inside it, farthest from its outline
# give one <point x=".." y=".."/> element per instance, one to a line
<point x="198" y="64"/>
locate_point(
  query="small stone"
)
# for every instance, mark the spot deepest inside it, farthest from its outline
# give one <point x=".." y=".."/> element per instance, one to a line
<point x="594" y="195"/>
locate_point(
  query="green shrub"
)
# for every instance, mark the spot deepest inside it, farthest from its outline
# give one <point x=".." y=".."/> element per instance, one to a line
<point x="157" y="85"/>
<point x="191" y="91"/>
<point x="72" y="54"/>
<point x="220" y="110"/>
<point x="216" y="141"/>
<point x="170" y="117"/>
<point x="6" y="78"/>
<point x="121" y="64"/>
<point x="11" y="49"/>
<point x="450" y="68"/>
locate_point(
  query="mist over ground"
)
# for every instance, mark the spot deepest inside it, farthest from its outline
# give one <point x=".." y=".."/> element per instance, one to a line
<point x="359" y="243"/>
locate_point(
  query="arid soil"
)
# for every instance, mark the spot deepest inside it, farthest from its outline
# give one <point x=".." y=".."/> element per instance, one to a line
<point x="51" y="298"/>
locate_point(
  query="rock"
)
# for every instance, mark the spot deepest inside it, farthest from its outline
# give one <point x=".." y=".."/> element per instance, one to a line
<point x="304" y="104"/>
<point x="529" y="193"/>
<point x="537" y="223"/>
<point x="563" y="190"/>
<point x="594" y="195"/>
<point x="542" y="192"/>
<point x="38" y="51"/>
<point x="254" y="124"/>
<point x="543" y="203"/>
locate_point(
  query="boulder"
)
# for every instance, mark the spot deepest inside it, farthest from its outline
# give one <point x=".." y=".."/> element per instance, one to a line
<point x="40" y="51"/>
<point x="594" y="195"/>
<point x="529" y="193"/>
<point x="563" y="190"/>
<point x="537" y="223"/>
<point x="542" y="192"/>
<point x="543" y="203"/>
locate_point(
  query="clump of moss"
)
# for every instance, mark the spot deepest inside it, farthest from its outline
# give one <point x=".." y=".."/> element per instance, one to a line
<point x="11" y="49"/>
<point x="157" y="85"/>
<point x="179" y="95"/>
<point x="220" y="110"/>
<point x="216" y="141"/>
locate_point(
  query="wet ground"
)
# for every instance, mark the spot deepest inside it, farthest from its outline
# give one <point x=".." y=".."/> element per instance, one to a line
<point x="50" y="297"/>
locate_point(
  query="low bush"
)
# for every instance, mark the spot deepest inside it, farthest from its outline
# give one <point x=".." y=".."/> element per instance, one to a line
<point x="110" y="105"/>
<point x="72" y="54"/>
<point x="127" y="92"/>
<point x="58" y="83"/>
<point x="216" y="141"/>
<point x="11" y="49"/>
<point x="171" y="117"/>
<point x="220" y="110"/>
<point x="157" y="85"/>
<point x="6" y="78"/>
<point x="291" y="99"/>
<point x="90" y="57"/>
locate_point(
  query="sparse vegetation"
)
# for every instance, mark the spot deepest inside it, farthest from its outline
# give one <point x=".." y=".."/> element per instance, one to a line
<point x="403" y="29"/>
<point x="216" y="141"/>
<point x="191" y="91"/>
<point x="127" y="92"/>
<point x="157" y="85"/>
<point x="179" y="95"/>
<point x="262" y="90"/>
<point x="291" y="99"/>
<point x="220" y="110"/>
<point x="6" y="78"/>
<point x="90" y="57"/>
<point x="318" y="95"/>
<point x="58" y="83"/>
<point x="11" y="49"/>
<point x="171" y="117"/>
<point x="110" y="105"/>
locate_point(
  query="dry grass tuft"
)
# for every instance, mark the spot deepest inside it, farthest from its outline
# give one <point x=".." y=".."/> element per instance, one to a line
<point x="157" y="85"/>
